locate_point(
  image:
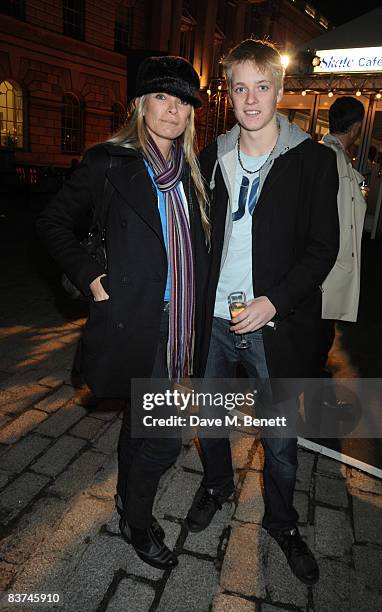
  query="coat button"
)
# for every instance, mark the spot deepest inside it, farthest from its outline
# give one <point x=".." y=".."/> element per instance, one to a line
<point x="123" y="223"/>
<point x="352" y="254"/>
<point x="120" y="325"/>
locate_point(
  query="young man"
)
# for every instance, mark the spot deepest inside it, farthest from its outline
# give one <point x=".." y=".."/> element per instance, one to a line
<point x="273" y="194"/>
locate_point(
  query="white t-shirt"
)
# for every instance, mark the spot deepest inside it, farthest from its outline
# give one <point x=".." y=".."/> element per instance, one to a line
<point x="236" y="274"/>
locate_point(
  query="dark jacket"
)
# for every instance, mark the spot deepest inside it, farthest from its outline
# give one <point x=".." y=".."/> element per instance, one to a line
<point x="294" y="246"/>
<point x="121" y="335"/>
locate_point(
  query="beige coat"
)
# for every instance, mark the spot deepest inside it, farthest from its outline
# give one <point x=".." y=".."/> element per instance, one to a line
<point x="341" y="287"/>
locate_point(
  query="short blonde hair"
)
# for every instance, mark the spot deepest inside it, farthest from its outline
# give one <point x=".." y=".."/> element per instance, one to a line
<point x="261" y="52"/>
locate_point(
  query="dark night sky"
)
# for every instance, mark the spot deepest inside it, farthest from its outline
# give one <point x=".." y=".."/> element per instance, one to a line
<point x="341" y="12"/>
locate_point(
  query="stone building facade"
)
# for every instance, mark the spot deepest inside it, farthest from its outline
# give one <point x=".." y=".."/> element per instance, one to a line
<point x="65" y="65"/>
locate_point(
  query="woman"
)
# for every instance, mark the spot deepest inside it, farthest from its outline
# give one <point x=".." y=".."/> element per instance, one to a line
<point x="146" y="317"/>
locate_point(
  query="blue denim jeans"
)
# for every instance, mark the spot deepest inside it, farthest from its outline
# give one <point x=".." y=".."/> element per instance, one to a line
<point x="280" y="453"/>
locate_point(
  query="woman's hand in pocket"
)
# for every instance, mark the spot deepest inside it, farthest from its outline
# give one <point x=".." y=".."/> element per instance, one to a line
<point x="99" y="293"/>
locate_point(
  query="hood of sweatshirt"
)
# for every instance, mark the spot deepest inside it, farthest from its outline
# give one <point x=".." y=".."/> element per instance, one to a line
<point x="290" y="136"/>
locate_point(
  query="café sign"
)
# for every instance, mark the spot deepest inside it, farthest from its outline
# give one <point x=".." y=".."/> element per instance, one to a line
<point x="367" y="59"/>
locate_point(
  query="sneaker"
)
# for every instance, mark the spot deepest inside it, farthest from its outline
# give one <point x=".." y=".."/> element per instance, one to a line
<point x="299" y="556"/>
<point x="206" y="503"/>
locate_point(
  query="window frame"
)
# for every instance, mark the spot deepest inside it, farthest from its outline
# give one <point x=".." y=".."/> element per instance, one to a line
<point x="64" y="126"/>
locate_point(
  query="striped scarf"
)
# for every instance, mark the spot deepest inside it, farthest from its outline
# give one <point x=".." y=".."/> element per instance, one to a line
<point x="180" y="346"/>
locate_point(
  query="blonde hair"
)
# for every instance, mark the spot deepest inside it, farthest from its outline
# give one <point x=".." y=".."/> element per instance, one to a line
<point x="261" y="52"/>
<point x="134" y="134"/>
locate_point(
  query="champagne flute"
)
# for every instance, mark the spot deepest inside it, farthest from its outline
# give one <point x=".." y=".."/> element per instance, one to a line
<point x="237" y="303"/>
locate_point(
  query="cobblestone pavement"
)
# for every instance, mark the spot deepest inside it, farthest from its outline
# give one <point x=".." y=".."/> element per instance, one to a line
<point x="57" y="481"/>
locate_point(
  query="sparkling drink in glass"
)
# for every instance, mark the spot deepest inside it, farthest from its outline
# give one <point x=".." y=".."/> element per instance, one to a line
<point x="237" y="303"/>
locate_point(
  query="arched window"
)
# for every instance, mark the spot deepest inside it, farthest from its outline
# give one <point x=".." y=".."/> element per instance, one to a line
<point x="123" y="26"/>
<point x="118" y="116"/>
<point x="11" y="115"/>
<point x="71" y="137"/>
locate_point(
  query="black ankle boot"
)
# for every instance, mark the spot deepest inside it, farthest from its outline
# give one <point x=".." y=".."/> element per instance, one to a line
<point x="148" y="546"/>
<point x="154" y="523"/>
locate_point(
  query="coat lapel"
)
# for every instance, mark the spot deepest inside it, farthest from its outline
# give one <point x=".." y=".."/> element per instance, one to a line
<point x="133" y="183"/>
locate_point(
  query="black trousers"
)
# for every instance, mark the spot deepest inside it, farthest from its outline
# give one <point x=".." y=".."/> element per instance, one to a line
<point x="142" y="461"/>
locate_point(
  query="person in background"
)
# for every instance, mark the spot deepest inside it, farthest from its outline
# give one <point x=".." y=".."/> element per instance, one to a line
<point x="147" y="311"/>
<point x="341" y="288"/>
<point x="273" y="195"/>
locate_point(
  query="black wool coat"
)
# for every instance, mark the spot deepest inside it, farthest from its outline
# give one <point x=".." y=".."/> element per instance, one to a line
<point x="121" y="335"/>
<point x="295" y="239"/>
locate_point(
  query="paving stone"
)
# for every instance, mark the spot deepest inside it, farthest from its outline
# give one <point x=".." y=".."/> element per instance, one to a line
<point x="364" y="482"/>
<point x="251" y="503"/>
<point x="208" y="541"/>
<point x="54" y="401"/>
<point x="87" y="428"/>
<point x="241" y="445"/>
<point x="228" y="603"/>
<point x="59" y="422"/>
<point x="368" y="564"/>
<point x="55" y="379"/>
<point x="23" y="452"/>
<point x="269" y="608"/>
<point x="58" y="456"/>
<point x="7" y="574"/>
<point x="18" y="406"/>
<point x="282" y="585"/>
<point x="243" y="566"/>
<point x="131" y="595"/>
<point x="172" y="531"/>
<point x="61" y="359"/>
<point x="112" y="525"/>
<point x="52" y="566"/>
<point x="78" y="475"/>
<point x="21" y="426"/>
<point x="258" y="458"/>
<point x="22" y="378"/>
<point x="367" y="514"/>
<point x="332" y="591"/>
<point x="301" y="503"/>
<point x="170" y="501"/>
<point x="105" y="481"/>
<point x="34" y="527"/>
<point x="4" y="418"/>
<point x="304" y="470"/>
<point x="28" y="392"/>
<point x="362" y="599"/>
<point x="107" y="442"/>
<point x="89" y="582"/>
<point x="331" y="491"/>
<point x="201" y="578"/>
<point x="191" y="460"/>
<point x="17" y="495"/>
<point x="331" y="467"/>
<point x="3" y="479"/>
<point x="333" y="535"/>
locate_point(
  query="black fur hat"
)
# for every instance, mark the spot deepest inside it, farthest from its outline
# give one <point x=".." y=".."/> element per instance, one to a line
<point x="169" y="74"/>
